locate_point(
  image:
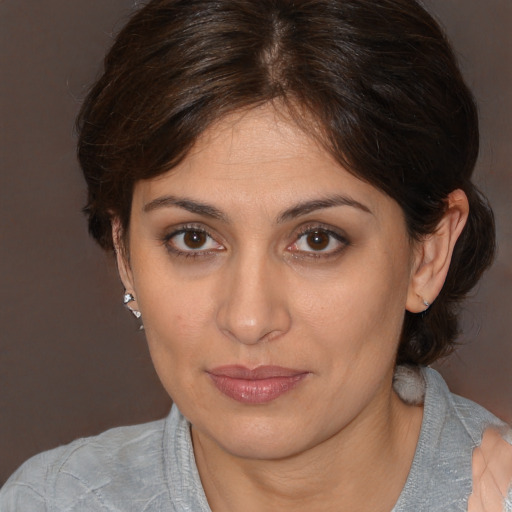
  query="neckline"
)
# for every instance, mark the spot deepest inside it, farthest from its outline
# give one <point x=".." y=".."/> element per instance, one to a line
<point x="184" y="482"/>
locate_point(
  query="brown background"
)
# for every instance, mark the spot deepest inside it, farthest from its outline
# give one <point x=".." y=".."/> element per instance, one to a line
<point x="72" y="362"/>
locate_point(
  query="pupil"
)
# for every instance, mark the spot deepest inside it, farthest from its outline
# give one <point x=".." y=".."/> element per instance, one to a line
<point x="318" y="240"/>
<point x="194" y="239"/>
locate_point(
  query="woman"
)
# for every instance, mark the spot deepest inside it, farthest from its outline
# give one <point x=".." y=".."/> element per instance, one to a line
<point x="287" y="188"/>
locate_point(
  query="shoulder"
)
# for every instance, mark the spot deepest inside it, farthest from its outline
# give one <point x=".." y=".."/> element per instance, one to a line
<point x="458" y="417"/>
<point x="479" y="442"/>
<point x="492" y="473"/>
<point x="89" y="471"/>
<point x="441" y="475"/>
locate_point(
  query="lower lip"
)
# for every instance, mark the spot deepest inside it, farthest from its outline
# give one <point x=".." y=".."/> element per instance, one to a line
<point x="256" y="391"/>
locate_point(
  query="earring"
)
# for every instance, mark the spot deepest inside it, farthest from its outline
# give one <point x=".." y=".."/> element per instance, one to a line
<point x="427" y="304"/>
<point x="128" y="297"/>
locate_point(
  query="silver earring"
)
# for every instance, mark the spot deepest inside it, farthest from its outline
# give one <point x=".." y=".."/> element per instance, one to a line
<point x="127" y="298"/>
<point x="427" y="304"/>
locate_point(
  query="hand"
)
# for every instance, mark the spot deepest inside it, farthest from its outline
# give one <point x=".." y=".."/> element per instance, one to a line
<point x="492" y="475"/>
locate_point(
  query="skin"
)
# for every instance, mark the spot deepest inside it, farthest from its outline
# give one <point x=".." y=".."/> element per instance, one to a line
<point x="255" y="290"/>
<point x="492" y="473"/>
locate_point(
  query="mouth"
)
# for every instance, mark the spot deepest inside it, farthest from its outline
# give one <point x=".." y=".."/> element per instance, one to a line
<point x="257" y="386"/>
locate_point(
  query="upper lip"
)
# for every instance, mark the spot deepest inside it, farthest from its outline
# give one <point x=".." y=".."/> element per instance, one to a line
<point x="258" y="373"/>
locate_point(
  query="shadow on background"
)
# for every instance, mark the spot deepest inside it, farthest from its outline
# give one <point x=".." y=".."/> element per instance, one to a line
<point x="72" y="362"/>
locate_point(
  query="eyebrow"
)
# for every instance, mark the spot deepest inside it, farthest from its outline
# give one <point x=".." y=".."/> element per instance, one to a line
<point x="186" y="204"/>
<point x="295" y="211"/>
<point x="320" y="204"/>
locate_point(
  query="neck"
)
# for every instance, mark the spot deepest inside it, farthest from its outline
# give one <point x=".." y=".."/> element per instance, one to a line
<point x="372" y="453"/>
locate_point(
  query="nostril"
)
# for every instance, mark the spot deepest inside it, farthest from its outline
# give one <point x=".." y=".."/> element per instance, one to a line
<point x="251" y="307"/>
<point x="250" y="336"/>
<point x="265" y="326"/>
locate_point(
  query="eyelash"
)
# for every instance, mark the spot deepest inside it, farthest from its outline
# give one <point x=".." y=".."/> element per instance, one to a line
<point x="189" y="228"/>
<point x="297" y="253"/>
<point x="326" y="230"/>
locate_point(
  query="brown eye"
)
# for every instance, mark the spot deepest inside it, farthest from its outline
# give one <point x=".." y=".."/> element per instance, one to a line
<point x="194" y="239"/>
<point x="318" y="240"/>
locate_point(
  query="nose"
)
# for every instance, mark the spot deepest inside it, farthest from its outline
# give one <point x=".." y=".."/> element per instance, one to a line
<point x="254" y="306"/>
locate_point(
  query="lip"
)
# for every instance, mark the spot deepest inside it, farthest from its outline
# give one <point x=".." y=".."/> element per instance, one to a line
<point x="255" y="386"/>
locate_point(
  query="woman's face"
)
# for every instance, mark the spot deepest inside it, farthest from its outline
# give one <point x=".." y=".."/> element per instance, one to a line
<point x="272" y="285"/>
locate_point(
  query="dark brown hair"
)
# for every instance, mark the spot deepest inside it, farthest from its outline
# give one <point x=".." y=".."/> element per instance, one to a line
<point x="378" y="78"/>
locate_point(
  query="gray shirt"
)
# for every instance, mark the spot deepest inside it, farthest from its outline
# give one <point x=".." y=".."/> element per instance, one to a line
<point x="151" y="467"/>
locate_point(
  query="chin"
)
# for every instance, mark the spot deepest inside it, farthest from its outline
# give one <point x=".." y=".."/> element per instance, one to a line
<point x="269" y="447"/>
<point x="263" y="438"/>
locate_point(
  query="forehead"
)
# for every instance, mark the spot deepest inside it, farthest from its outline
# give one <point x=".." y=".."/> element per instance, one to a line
<point x="258" y="139"/>
<point x="254" y="158"/>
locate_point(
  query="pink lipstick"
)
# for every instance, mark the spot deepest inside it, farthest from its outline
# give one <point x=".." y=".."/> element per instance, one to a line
<point x="257" y="386"/>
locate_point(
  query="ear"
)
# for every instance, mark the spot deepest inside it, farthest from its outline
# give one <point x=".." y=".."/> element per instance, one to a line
<point x="434" y="254"/>
<point x="122" y="257"/>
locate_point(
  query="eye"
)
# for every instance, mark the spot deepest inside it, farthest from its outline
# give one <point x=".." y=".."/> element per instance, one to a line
<point x="319" y="241"/>
<point x="192" y="241"/>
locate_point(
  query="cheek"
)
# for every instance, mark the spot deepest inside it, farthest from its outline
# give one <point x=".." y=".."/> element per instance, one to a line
<point x="175" y="311"/>
<point x="178" y="318"/>
<point x="360" y="305"/>
<point x="177" y="327"/>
